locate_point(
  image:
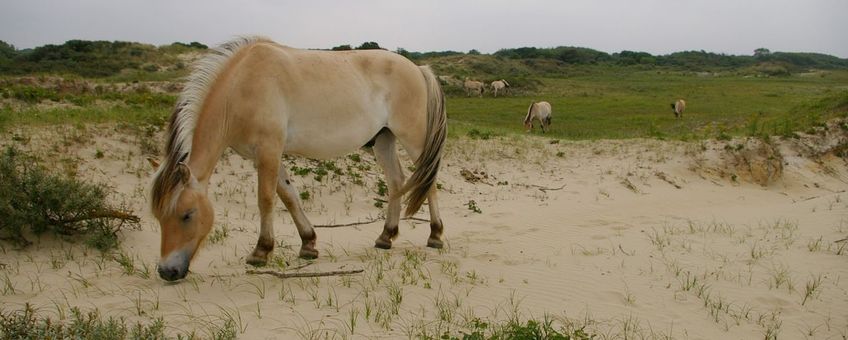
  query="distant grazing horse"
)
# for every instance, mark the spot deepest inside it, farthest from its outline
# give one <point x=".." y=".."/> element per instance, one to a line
<point x="540" y="111"/>
<point x="678" y="108"/>
<point x="498" y="85"/>
<point x="264" y="100"/>
<point x="473" y="86"/>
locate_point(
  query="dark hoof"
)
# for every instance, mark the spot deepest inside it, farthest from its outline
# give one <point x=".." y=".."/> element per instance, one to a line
<point x="435" y="243"/>
<point x="257" y="261"/>
<point x="308" y="253"/>
<point x="383" y="244"/>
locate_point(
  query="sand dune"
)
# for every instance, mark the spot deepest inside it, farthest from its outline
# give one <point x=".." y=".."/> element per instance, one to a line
<point x="632" y="238"/>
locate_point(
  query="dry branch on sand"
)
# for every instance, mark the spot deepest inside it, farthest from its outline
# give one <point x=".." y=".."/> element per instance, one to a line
<point x="369" y="221"/>
<point x="283" y="275"/>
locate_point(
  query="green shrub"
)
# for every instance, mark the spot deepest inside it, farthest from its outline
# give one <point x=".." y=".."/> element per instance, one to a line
<point x="33" y="199"/>
<point x="24" y="324"/>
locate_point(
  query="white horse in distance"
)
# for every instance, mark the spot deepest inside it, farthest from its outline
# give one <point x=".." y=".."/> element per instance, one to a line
<point x="499" y="85"/>
<point x="678" y="107"/>
<point x="542" y="112"/>
<point x="473" y="86"/>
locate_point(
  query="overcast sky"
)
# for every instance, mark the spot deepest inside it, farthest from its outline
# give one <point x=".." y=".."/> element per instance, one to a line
<point x="655" y="26"/>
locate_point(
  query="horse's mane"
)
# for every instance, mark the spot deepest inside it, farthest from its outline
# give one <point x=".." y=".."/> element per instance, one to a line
<point x="529" y="111"/>
<point x="184" y="118"/>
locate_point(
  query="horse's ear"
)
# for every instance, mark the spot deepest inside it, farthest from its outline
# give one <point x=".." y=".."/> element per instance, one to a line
<point x="153" y="162"/>
<point x="184" y="172"/>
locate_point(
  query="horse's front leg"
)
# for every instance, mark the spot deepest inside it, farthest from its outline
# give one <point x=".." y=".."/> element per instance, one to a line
<point x="267" y="166"/>
<point x="291" y="199"/>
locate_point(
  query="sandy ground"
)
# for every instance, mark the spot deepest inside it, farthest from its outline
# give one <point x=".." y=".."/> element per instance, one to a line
<point x="629" y="239"/>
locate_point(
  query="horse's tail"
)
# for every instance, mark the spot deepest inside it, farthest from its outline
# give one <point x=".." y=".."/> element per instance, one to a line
<point x="427" y="165"/>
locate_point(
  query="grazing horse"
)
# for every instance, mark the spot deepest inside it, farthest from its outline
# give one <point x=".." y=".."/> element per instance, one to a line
<point x="678" y="108"/>
<point x="473" y="86"/>
<point x="540" y="111"/>
<point x="498" y="85"/>
<point x="264" y="100"/>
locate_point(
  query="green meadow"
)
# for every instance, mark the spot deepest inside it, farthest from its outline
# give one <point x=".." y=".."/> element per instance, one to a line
<point x="636" y="104"/>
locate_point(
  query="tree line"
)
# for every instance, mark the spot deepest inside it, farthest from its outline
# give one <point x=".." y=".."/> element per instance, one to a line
<point x="106" y="58"/>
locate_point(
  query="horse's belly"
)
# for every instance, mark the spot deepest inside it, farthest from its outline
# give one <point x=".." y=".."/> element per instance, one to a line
<point x="329" y="141"/>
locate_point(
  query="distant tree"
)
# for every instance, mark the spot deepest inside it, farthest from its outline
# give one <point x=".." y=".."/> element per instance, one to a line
<point x="761" y="52"/>
<point x="402" y="51"/>
<point x="369" y="45"/>
<point x="342" y="48"/>
<point x="474" y="52"/>
<point x="7" y="50"/>
<point x="197" y="45"/>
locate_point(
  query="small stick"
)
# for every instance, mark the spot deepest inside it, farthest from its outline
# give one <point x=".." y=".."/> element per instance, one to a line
<point x="365" y="222"/>
<point x="541" y="188"/>
<point x="313" y="274"/>
<point x="546" y="189"/>
<point x="346" y="224"/>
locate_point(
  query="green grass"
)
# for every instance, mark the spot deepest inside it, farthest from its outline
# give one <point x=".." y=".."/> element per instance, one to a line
<point x="636" y="104"/>
<point x="590" y="102"/>
<point x="25" y="324"/>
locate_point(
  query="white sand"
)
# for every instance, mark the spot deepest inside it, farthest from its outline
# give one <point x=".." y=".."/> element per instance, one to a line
<point x="610" y="244"/>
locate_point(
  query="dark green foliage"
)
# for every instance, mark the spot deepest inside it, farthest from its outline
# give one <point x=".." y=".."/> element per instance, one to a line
<point x="689" y="60"/>
<point x="35" y="200"/>
<point x="342" y="48"/>
<point x="532" y="329"/>
<point x="24" y="324"/>
<point x="369" y="45"/>
<point x="7" y="51"/>
<point x="90" y="58"/>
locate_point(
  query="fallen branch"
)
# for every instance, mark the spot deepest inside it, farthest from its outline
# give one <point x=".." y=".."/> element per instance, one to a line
<point x="347" y="224"/>
<point x="113" y="214"/>
<point x="546" y="189"/>
<point x="312" y="274"/>
<point x="541" y="188"/>
<point x="367" y="222"/>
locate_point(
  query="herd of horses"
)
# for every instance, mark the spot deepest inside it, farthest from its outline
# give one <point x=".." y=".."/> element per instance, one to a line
<point x="476" y="87"/>
<point x="317" y="104"/>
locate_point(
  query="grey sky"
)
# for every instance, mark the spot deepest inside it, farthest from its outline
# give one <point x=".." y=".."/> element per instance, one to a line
<point x="655" y="26"/>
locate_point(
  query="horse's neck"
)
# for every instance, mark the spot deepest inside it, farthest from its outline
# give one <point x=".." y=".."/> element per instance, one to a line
<point x="208" y="144"/>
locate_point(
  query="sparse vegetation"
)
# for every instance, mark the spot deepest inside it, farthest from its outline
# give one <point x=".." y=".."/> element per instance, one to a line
<point x="33" y="199"/>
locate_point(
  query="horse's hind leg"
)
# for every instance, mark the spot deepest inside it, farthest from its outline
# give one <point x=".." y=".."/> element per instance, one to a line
<point x="386" y="154"/>
<point x="436" y="226"/>
<point x="291" y="199"/>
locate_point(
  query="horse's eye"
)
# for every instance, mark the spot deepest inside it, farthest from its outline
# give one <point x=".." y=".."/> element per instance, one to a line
<point x="187" y="216"/>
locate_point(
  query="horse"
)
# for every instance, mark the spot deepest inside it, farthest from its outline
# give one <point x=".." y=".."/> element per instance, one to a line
<point x="678" y="108"/>
<point x="540" y="111"/>
<point x="498" y="85"/>
<point x="264" y="100"/>
<point x="474" y="86"/>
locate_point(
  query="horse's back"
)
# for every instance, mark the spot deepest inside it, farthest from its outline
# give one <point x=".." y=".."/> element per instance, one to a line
<point x="543" y="109"/>
<point x="304" y="95"/>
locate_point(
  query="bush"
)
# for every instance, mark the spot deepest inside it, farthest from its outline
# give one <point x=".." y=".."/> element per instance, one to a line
<point x="24" y="324"/>
<point x="31" y="198"/>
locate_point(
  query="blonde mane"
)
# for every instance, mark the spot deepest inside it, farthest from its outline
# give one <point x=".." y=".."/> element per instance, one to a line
<point x="184" y="118"/>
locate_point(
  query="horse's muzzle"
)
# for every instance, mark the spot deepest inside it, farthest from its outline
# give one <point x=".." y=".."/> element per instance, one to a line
<point x="175" y="266"/>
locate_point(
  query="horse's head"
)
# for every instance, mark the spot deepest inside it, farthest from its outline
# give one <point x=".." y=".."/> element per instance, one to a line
<point x="185" y="216"/>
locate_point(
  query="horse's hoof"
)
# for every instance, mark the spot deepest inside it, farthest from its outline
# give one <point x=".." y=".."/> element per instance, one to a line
<point x="308" y="253"/>
<point x="435" y="243"/>
<point x="382" y="244"/>
<point x="257" y="261"/>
